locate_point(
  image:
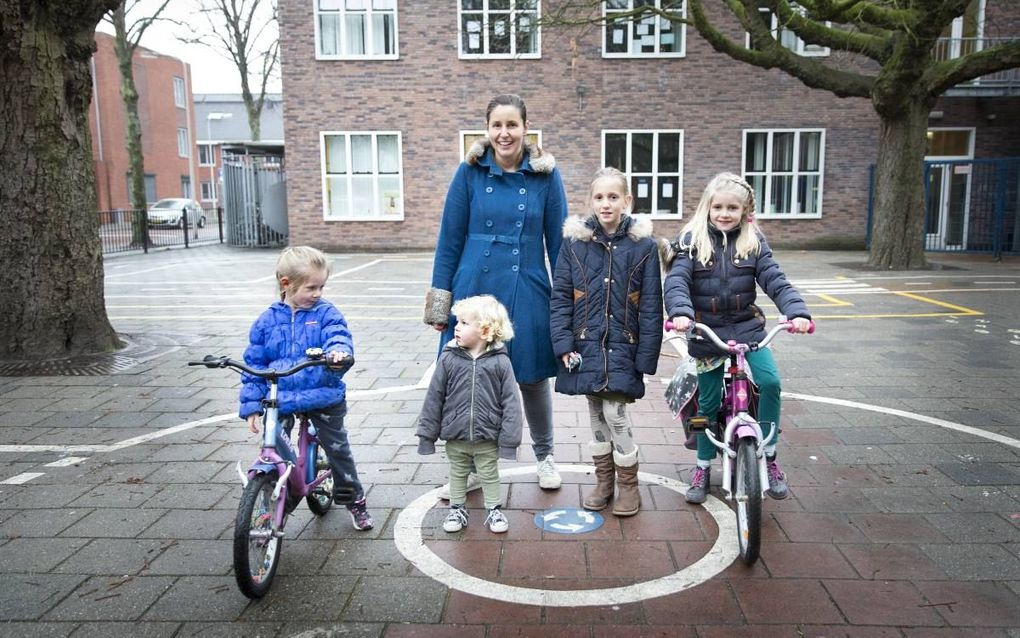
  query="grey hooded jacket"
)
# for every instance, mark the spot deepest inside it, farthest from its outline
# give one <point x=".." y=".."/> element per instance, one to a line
<point x="472" y="400"/>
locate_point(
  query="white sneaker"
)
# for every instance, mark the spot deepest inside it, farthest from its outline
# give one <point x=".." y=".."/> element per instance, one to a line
<point x="548" y="477"/>
<point x="497" y="521"/>
<point x="456" y="520"/>
<point x="473" y="483"/>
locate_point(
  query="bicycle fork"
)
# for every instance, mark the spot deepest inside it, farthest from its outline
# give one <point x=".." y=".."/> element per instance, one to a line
<point x="737" y="428"/>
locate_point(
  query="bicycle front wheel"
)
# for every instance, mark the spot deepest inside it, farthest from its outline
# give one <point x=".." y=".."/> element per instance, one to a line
<point x="747" y="490"/>
<point x="321" y="498"/>
<point x="256" y="546"/>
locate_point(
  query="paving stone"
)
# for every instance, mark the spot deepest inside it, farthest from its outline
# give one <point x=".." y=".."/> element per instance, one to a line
<point x="904" y="500"/>
<point x="980" y="473"/>
<point x="112" y="557"/>
<point x="356" y="557"/>
<point x="200" y="598"/>
<point x="974" y="604"/>
<point x="290" y="599"/>
<point x="106" y="599"/>
<point x="898" y="561"/>
<point x="190" y="524"/>
<point x="198" y="557"/>
<point x="230" y="630"/>
<point x="37" y="555"/>
<point x="113" y="523"/>
<point x="975" y="527"/>
<point x="39" y="523"/>
<point x="974" y="561"/>
<point x="882" y="603"/>
<point x="805" y="560"/>
<point x="127" y="629"/>
<point x="785" y="601"/>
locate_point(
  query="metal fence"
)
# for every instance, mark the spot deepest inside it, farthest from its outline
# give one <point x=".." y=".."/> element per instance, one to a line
<point x="129" y="230"/>
<point x="970" y="206"/>
<point x="255" y="199"/>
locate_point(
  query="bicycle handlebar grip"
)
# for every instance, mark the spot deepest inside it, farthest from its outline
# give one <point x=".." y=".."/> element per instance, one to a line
<point x="810" y="330"/>
<point x="668" y="325"/>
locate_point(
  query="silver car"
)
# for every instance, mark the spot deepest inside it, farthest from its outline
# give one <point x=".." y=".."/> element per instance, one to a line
<point x="169" y="213"/>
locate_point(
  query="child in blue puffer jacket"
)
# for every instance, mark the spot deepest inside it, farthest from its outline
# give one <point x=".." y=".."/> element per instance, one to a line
<point x="278" y="339"/>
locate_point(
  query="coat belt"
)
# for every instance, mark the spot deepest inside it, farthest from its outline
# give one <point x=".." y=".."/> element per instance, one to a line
<point x="495" y="239"/>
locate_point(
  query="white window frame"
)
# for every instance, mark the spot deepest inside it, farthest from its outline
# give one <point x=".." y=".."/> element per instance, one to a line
<point x="655" y="174"/>
<point x="206" y="190"/>
<point x="681" y="31"/>
<point x="210" y="154"/>
<point x="342" y="12"/>
<point x="183" y="142"/>
<point x="180" y="93"/>
<point x="801" y="47"/>
<point x="326" y="214"/>
<point x="513" y="12"/>
<point x="796" y="173"/>
<point x="463" y="136"/>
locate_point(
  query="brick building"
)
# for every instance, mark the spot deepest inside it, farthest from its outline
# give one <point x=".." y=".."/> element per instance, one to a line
<point x="165" y="111"/>
<point x="376" y="119"/>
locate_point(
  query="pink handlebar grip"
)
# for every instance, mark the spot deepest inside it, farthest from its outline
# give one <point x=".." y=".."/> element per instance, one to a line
<point x="810" y="330"/>
<point x="668" y="325"/>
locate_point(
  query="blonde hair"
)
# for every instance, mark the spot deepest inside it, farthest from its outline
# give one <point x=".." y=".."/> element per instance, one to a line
<point x="701" y="244"/>
<point x="489" y="314"/>
<point x="613" y="173"/>
<point x="297" y="264"/>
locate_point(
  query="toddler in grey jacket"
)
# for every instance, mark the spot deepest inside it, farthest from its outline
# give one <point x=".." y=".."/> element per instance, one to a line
<point x="473" y="403"/>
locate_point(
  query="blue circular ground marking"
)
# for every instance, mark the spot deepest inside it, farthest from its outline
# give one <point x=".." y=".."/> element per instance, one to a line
<point x="568" y="520"/>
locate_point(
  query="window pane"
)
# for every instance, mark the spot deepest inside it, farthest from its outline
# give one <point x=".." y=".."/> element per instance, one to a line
<point x="782" y="193"/>
<point x="383" y="36"/>
<point x="527" y="34"/>
<point x="669" y="196"/>
<point x="810" y="151"/>
<point x="471" y="32"/>
<point x="641" y="153"/>
<point x="329" y="5"/>
<point x="621" y="5"/>
<point x="471" y="4"/>
<point x="336" y="191"/>
<point x="644" y="35"/>
<point x="756" y="145"/>
<point x="641" y="190"/>
<point x="757" y="183"/>
<point x="389" y="154"/>
<point x="389" y="196"/>
<point x="782" y="151"/>
<point x="361" y="154"/>
<point x="329" y="34"/>
<point x="336" y="154"/>
<point x="616" y="37"/>
<point x="669" y="152"/>
<point x="362" y="190"/>
<point x="499" y="4"/>
<point x="949" y="143"/>
<point x="616" y="150"/>
<point x="355" y="32"/>
<point x="384" y="4"/>
<point x="358" y="5"/>
<point x="669" y="36"/>
<point x="499" y="34"/>
<point x="807" y="194"/>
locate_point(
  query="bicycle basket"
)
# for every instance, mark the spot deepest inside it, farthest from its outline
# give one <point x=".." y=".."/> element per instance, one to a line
<point x="682" y="391"/>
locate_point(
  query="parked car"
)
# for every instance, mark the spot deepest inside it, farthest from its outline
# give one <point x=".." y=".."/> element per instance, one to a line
<point x="169" y="212"/>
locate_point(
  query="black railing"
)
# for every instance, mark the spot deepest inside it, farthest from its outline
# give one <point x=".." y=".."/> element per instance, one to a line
<point x="128" y="230"/>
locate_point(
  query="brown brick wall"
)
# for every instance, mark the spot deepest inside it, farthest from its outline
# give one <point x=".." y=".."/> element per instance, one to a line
<point x="429" y="95"/>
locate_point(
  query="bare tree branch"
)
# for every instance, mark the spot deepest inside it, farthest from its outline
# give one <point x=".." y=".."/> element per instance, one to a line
<point x="949" y="73"/>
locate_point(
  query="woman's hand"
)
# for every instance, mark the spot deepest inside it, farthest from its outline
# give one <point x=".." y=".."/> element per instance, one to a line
<point x="681" y="324"/>
<point x="253" y="423"/>
<point x="801" y="325"/>
<point x="566" y="360"/>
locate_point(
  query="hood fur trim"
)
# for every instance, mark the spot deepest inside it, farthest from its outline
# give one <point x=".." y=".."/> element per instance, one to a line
<point x="540" y="161"/>
<point x="583" y="228"/>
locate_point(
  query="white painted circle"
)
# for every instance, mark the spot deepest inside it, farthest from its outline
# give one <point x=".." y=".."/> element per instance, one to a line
<point x="408" y="538"/>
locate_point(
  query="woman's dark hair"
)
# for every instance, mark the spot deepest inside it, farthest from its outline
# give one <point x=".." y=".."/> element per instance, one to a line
<point x="509" y="99"/>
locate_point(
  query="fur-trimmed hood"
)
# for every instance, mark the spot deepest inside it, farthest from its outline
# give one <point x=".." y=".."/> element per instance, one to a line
<point x="538" y="160"/>
<point x="583" y="228"/>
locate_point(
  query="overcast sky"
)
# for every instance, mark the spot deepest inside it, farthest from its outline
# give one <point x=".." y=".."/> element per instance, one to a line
<point x="211" y="71"/>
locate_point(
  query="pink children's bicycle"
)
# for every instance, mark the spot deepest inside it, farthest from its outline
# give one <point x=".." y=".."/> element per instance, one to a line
<point x="277" y="480"/>
<point x="744" y="471"/>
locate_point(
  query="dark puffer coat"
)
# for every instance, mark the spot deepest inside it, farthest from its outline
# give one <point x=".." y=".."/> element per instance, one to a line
<point x="722" y="293"/>
<point x="607" y="305"/>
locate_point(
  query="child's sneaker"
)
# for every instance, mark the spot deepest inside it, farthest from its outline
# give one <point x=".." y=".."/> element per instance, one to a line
<point x="548" y="476"/>
<point x="359" y="514"/>
<point x="701" y="478"/>
<point x="778" y="489"/>
<point x="456" y="520"/>
<point x="497" y="521"/>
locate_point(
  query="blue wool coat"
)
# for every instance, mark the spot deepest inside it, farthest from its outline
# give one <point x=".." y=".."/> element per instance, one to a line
<point x="496" y="232"/>
<point x="722" y="293"/>
<point x="607" y="306"/>
<point x="278" y="339"/>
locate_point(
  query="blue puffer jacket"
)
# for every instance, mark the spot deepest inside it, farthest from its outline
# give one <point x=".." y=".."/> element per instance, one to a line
<point x="607" y="305"/>
<point x="278" y="339"/>
<point x="721" y="293"/>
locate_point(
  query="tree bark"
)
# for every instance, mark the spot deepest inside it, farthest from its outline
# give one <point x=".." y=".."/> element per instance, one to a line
<point x="898" y="216"/>
<point x="133" y="133"/>
<point x="52" y="274"/>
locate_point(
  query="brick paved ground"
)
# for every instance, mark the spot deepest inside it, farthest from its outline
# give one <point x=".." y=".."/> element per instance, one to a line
<point x="896" y="526"/>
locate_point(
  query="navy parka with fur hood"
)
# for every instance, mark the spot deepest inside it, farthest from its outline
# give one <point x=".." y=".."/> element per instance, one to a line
<point x="278" y="339"/>
<point x="722" y="293"/>
<point x="607" y="306"/>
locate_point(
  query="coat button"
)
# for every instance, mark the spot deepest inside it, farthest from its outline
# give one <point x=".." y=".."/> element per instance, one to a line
<point x="606" y="280"/>
<point x="515" y="251"/>
<point x="485" y="269"/>
<point x="523" y="191"/>
<point x="488" y="189"/>
<point x="514" y="268"/>
<point x="519" y="224"/>
<point x="736" y="261"/>
<point x="486" y="253"/>
<point x="488" y="222"/>
<point x="520" y="206"/>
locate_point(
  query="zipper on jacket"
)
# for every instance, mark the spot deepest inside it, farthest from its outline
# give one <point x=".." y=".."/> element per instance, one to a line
<point x="605" y="335"/>
<point x="471" y="411"/>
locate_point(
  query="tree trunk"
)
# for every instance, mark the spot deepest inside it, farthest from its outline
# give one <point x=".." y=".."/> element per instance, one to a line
<point x="52" y="274"/>
<point x="132" y="138"/>
<point x="898" y="219"/>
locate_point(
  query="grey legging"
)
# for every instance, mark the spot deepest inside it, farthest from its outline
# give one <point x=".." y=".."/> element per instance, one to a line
<point x="537" y="399"/>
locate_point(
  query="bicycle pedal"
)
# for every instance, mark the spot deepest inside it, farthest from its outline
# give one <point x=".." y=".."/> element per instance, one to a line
<point x="697" y="423"/>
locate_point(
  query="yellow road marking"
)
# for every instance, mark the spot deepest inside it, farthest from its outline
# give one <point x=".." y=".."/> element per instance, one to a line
<point x="833" y="302"/>
<point x="961" y="310"/>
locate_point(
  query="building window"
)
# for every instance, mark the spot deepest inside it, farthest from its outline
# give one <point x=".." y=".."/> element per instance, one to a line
<point x="785" y="168"/>
<point x="467" y="138"/>
<point x="355" y="29"/>
<point x="207" y="191"/>
<point x="206" y="155"/>
<point x="150" y="187"/>
<point x="183" y="143"/>
<point x="362" y="176"/>
<point x="653" y="162"/>
<point x="651" y="35"/>
<point x="180" y="96"/>
<point x="499" y="29"/>
<point x="787" y="37"/>
<point x="186" y="187"/>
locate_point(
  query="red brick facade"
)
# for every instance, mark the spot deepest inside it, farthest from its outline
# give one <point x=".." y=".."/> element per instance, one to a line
<point x="430" y="95"/>
<point x="160" y="118"/>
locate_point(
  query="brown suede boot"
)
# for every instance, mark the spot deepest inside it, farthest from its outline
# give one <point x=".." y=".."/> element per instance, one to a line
<point x="628" y="499"/>
<point x="598" y="498"/>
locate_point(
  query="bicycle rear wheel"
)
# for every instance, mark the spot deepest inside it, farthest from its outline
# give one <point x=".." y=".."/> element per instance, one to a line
<point x="747" y="492"/>
<point x="321" y="498"/>
<point x="256" y="546"/>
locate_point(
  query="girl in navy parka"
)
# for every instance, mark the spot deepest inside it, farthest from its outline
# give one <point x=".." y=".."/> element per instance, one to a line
<point x="278" y="339"/>
<point x="607" y="329"/>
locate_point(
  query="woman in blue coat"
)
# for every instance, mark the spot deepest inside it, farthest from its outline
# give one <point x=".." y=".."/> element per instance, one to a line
<point x="503" y="217"/>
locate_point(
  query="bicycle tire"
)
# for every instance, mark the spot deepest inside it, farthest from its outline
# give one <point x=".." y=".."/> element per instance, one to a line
<point x="256" y="557"/>
<point x="747" y="497"/>
<point x="321" y="498"/>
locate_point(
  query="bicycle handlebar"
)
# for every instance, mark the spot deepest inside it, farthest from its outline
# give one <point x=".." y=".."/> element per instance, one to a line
<point x="733" y="346"/>
<point x="211" y="361"/>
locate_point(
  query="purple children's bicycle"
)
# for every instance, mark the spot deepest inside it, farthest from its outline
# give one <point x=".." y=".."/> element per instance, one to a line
<point x="277" y="480"/>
